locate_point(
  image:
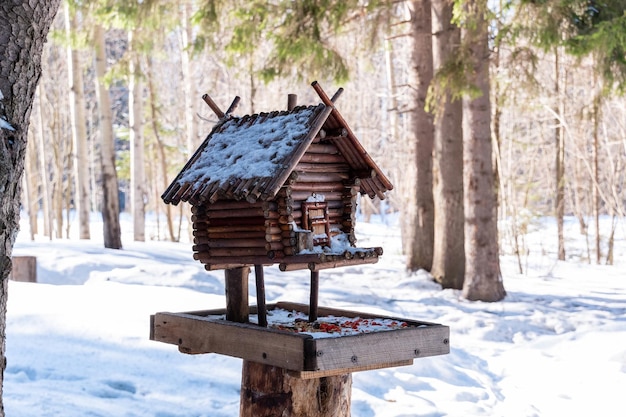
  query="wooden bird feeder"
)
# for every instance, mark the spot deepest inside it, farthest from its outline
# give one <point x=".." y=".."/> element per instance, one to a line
<point x="281" y="188"/>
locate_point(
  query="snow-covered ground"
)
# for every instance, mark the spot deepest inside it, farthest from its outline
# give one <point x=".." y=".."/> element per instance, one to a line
<point x="77" y="341"/>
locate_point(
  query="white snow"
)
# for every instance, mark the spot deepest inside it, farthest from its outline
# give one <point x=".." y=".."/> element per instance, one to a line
<point x="78" y="345"/>
<point x="244" y="151"/>
<point x="4" y="124"/>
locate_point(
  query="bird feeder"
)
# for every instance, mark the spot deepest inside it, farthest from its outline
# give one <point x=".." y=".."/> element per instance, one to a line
<point x="281" y="188"/>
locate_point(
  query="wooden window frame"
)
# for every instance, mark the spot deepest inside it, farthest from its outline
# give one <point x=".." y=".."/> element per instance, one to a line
<point x="311" y="222"/>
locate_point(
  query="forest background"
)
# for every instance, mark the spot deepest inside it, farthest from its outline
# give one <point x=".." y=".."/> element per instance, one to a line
<point x="557" y="127"/>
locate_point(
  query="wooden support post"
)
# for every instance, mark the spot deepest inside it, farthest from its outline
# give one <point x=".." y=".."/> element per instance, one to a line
<point x="313" y="298"/>
<point x="237" y="307"/>
<point x="260" y="295"/>
<point x="271" y="391"/>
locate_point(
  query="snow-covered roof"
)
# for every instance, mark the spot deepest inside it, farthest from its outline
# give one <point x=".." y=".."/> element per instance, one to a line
<point x="251" y="157"/>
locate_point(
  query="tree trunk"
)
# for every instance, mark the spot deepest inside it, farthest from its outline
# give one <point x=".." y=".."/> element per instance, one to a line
<point x="421" y="132"/>
<point x="79" y="131"/>
<point x="46" y="198"/>
<point x="271" y="391"/>
<point x="483" y="280"/>
<point x="137" y="167"/>
<point x="23" y="28"/>
<point x="160" y="147"/>
<point x="110" y="191"/>
<point x="595" y="183"/>
<point x="448" y="256"/>
<point x="559" y="141"/>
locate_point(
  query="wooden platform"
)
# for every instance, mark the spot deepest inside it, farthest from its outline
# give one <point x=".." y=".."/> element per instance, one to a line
<point x="302" y="354"/>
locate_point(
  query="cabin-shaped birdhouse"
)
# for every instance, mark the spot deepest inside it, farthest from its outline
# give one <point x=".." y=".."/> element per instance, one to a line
<point x="281" y="188"/>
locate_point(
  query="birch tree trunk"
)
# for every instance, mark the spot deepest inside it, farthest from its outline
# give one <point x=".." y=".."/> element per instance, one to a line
<point x="110" y="191"/>
<point x="79" y="130"/>
<point x="559" y="162"/>
<point x="421" y="132"/>
<point x="137" y="167"/>
<point x="160" y="150"/>
<point x="46" y="198"/>
<point x="23" y="29"/>
<point x="448" y="256"/>
<point x="483" y="280"/>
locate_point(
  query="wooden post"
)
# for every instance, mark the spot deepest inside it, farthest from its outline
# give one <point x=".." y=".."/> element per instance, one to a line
<point x="24" y="269"/>
<point x="260" y="295"/>
<point x="292" y="99"/>
<point x="313" y="296"/>
<point x="237" y="307"/>
<point x="271" y="391"/>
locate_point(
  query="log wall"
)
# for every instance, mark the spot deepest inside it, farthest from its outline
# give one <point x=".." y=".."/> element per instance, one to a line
<point x="324" y="171"/>
<point x="230" y="233"/>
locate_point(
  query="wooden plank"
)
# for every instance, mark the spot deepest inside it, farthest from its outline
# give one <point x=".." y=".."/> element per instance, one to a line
<point x="194" y="334"/>
<point x="335" y="372"/>
<point x="379" y="347"/>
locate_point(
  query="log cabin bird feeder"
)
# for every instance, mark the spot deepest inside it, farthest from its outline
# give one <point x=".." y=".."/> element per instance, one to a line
<point x="280" y="188"/>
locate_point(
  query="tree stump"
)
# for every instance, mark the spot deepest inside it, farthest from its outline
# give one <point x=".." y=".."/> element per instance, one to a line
<point x="24" y="269"/>
<point x="268" y="391"/>
<point x="272" y="391"/>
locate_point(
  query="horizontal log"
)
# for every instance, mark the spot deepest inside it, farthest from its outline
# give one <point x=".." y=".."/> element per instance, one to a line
<point x="320" y="187"/>
<point x="235" y="228"/>
<point x="328" y="149"/>
<point x="235" y="243"/>
<point x="322" y="158"/>
<point x="227" y="205"/>
<point x="327" y="176"/>
<point x="303" y="167"/>
<point x="231" y="235"/>
<point x="331" y="204"/>
<point x="304" y="195"/>
<point x="247" y="221"/>
<point x="245" y="212"/>
<point x="252" y="251"/>
<point x="232" y="260"/>
<point x="293" y="267"/>
<point x="345" y="262"/>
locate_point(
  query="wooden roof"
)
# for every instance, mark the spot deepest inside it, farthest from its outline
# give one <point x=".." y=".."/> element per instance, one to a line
<point x="251" y="157"/>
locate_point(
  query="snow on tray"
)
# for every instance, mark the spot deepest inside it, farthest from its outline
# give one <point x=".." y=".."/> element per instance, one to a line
<point x="244" y="151"/>
<point x="324" y="327"/>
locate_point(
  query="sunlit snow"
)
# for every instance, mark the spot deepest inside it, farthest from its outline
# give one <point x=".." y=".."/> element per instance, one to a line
<point x="78" y="345"/>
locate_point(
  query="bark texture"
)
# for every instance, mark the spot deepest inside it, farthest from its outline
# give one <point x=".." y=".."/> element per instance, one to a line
<point x="270" y="391"/>
<point x="449" y="255"/>
<point x="110" y="191"/>
<point x="422" y="229"/>
<point x="23" y="30"/>
<point x="79" y="131"/>
<point x="137" y="167"/>
<point x="483" y="280"/>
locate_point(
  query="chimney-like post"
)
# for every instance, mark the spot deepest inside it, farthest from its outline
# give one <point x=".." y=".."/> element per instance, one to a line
<point x="292" y="99"/>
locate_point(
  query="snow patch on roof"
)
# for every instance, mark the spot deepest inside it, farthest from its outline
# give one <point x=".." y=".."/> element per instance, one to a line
<point x="242" y="151"/>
